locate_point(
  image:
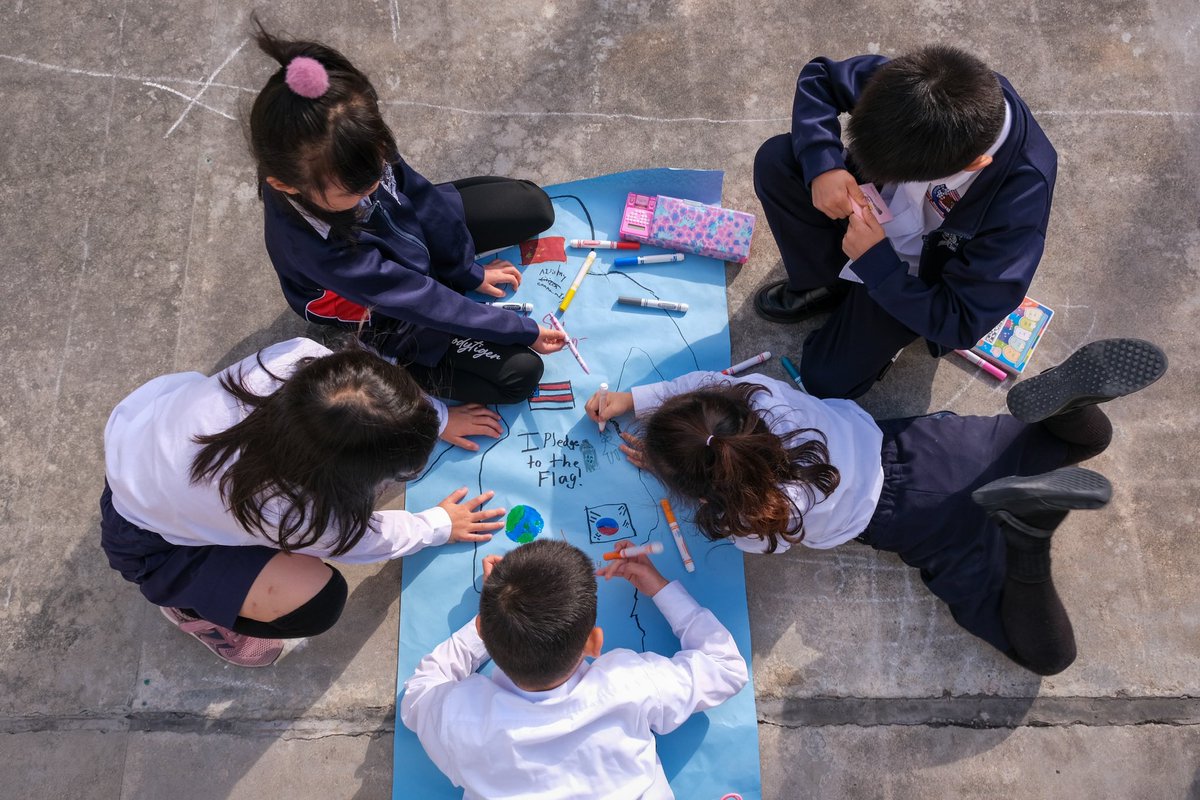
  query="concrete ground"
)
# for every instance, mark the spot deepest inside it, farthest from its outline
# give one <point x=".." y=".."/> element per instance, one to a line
<point x="130" y="244"/>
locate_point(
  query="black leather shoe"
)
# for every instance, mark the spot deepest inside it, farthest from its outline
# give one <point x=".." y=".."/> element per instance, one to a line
<point x="1095" y="373"/>
<point x="777" y="303"/>
<point x="1061" y="490"/>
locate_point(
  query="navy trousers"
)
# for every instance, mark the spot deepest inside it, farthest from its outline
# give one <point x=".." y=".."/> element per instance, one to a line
<point x="846" y="355"/>
<point x="926" y="516"/>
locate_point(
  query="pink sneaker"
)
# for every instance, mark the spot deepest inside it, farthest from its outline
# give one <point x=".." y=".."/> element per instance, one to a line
<point x="236" y="648"/>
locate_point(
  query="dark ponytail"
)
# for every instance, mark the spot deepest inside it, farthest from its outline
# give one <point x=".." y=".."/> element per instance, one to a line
<point x="338" y="139"/>
<point x="712" y="445"/>
<point x="316" y="450"/>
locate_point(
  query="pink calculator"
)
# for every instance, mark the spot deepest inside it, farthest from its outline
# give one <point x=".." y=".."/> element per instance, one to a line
<point x="637" y="220"/>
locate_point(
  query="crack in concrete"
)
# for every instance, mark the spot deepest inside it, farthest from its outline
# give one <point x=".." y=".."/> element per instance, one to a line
<point x="980" y="712"/>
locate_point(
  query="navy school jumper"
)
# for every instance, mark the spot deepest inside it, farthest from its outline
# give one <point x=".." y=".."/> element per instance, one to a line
<point x="974" y="269"/>
<point x="408" y="267"/>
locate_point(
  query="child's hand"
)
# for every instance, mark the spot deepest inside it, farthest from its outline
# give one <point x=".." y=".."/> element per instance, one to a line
<point x="633" y="450"/>
<point x="489" y="564"/>
<point x="495" y="274"/>
<point x="467" y="524"/>
<point x="615" y="405"/>
<point x="549" y="341"/>
<point x="470" y="420"/>
<point x="638" y="570"/>
<point x="832" y="192"/>
<point x="864" y="233"/>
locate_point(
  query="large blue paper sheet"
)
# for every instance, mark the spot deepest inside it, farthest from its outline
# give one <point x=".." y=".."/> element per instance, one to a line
<point x="572" y="479"/>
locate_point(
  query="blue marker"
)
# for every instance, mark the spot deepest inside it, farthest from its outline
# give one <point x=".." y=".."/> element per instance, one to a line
<point x="633" y="261"/>
<point x="792" y="372"/>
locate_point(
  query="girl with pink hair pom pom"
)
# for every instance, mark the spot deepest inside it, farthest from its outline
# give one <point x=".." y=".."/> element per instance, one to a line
<point x="362" y="241"/>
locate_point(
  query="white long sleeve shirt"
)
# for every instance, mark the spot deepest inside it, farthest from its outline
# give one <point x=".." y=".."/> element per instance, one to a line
<point x="593" y="736"/>
<point x="149" y="447"/>
<point x="853" y="439"/>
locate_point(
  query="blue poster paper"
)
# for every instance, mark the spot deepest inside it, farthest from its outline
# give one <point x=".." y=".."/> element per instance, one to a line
<point x="559" y="476"/>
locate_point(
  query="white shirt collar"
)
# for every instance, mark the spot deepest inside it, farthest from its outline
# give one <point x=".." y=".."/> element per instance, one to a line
<point x="562" y="690"/>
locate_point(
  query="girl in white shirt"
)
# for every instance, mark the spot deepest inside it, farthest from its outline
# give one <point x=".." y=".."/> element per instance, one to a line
<point x="768" y="466"/>
<point x="224" y="494"/>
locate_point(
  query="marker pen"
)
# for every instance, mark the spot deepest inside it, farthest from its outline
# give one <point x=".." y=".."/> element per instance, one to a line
<point x="652" y="549"/>
<point x="554" y="323"/>
<point x="986" y="366"/>
<point x="570" y="295"/>
<point x="631" y="261"/>
<point x="645" y="302"/>
<point x="526" y="308"/>
<point x="602" y="400"/>
<point x="688" y="564"/>
<point x="792" y="372"/>
<point x="600" y="244"/>
<point x="747" y="364"/>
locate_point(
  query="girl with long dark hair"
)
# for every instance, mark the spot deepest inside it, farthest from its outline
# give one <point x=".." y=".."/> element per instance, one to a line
<point x="224" y="495"/>
<point x="972" y="502"/>
<point x="359" y="238"/>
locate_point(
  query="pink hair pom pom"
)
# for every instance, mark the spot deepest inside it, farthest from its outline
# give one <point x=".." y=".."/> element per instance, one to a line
<point x="307" y="78"/>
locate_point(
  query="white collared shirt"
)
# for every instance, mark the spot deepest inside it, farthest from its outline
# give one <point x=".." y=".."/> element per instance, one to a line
<point x="593" y="736"/>
<point x="149" y="447"/>
<point x="920" y="208"/>
<point x="853" y="439"/>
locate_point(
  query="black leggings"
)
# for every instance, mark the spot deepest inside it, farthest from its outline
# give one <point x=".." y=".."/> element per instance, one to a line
<point x="481" y="372"/>
<point x="1035" y="621"/>
<point x="500" y="212"/>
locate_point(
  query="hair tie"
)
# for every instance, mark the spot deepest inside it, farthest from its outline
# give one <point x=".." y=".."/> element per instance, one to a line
<point x="307" y="77"/>
<point x="708" y="441"/>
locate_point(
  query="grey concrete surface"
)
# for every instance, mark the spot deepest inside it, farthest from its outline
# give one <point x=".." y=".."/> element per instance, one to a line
<point x="130" y="246"/>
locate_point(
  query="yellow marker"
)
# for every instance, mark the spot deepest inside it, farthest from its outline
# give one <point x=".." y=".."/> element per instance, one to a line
<point x="570" y="295"/>
<point x="688" y="564"/>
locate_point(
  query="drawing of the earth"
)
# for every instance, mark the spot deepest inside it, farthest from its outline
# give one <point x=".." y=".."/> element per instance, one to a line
<point x="523" y="524"/>
<point x="607" y="526"/>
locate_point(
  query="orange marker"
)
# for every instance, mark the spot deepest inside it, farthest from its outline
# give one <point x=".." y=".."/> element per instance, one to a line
<point x="652" y="549"/>
<point x="688" y="564"/>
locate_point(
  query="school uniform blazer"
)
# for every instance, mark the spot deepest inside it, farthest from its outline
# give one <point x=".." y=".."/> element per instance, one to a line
<point x="411" y="260"/>
<point x="977" y="267"/>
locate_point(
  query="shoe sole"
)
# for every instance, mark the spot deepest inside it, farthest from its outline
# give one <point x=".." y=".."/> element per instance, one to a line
<point x="1066" y="489"/>
<point x="1096" y="372"/>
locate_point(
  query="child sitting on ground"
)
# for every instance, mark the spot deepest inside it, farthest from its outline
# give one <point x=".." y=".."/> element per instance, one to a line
<point x="553" y="724"/>
<point x="968" y="176"/>
<point x="360" y="238"/>
<point x="971" y="502"/>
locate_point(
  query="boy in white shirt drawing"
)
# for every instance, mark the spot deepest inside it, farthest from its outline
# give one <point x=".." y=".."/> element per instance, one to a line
<point x="549" y="723"/>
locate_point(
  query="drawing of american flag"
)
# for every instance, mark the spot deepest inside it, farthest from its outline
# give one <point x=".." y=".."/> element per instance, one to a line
<point x="556" y="396"/>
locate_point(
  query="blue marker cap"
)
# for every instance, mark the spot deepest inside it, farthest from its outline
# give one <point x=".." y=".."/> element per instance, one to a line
<point x="625" y="261"/>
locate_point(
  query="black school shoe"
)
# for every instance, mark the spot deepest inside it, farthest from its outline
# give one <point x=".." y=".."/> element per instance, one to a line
<point x="777" y="303"/>
<point x="1095" y="373"/>
<point x="1063" y="489"/>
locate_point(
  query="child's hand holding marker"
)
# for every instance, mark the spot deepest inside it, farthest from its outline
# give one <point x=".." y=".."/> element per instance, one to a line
<point x="549" y="341"/>
<point x="638" y="570"/>
<point x="603" y="407"/>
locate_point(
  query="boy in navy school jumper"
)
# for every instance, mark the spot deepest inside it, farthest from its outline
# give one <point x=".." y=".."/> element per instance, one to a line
<point x="552" y="724"/>
<point x="968" y="174"/>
